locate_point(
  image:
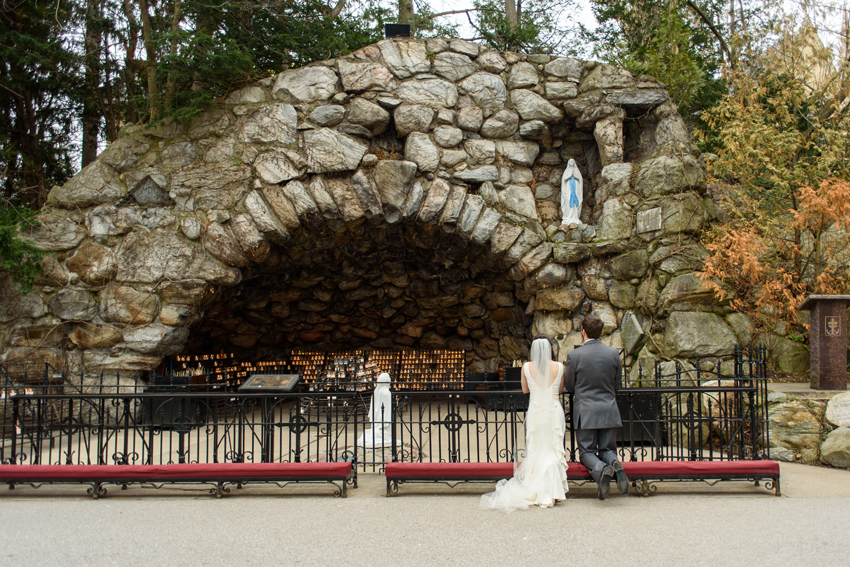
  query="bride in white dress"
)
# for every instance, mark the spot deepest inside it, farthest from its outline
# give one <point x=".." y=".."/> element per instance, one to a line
<point x="541" y="479"/>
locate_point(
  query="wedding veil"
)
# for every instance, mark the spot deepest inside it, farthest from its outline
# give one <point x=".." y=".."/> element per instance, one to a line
<point x="541" y="356"/>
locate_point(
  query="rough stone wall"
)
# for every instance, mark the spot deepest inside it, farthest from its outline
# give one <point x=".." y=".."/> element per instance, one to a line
<point x="406" y="195"/>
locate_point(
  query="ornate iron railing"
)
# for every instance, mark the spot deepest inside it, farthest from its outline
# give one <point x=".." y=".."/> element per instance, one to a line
<point x="674" y="412"/>
<point x="681" y="414"/>
<point x="163" y="428"/>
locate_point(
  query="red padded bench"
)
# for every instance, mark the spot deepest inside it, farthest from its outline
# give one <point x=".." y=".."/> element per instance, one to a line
<point x="642" y="474"/>
<point x="219" y="474"/>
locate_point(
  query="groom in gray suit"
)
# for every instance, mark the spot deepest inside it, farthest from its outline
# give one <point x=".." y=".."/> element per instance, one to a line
<point x="593" y="374"/>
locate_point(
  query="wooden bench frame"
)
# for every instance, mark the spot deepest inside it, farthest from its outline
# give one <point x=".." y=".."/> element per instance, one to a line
<point x="340" y="475"/>
<point x="644" y="475"/>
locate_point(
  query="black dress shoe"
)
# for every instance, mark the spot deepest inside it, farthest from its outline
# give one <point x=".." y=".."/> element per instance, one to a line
<point x="604" y="485"/>
<point x="622" y="479"/>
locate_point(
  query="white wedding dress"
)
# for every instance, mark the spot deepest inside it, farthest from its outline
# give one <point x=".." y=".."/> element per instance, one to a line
<point x="541" y="479"/>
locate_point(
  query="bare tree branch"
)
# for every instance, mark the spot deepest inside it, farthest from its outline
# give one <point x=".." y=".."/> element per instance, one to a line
<point x="455" y="12"/>
<point x="714" y="31"/>
<point x="337" y="9"/>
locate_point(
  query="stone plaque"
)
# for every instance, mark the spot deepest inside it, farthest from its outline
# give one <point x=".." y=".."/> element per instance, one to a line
<point x="838" y="410"/>
<point x="649" y="221"/>
<point x="632" y="333"/>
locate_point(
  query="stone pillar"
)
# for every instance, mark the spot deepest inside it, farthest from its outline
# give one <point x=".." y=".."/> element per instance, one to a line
<point x="828" y="340"/>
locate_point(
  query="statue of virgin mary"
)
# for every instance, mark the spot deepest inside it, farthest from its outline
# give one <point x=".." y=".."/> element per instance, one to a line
<point x="571" y="197"/>
<point x="380" y="416"/>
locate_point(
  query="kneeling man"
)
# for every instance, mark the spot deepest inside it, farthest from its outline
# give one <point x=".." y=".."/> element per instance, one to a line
<point x="593" y="373"/>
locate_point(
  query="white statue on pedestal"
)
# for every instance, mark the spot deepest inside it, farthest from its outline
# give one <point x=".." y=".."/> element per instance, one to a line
<point x="571" y="197"/>
<point x="380" y="416"/>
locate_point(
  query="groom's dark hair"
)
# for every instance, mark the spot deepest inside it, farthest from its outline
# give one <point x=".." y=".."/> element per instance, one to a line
<point x="592" y="326"/>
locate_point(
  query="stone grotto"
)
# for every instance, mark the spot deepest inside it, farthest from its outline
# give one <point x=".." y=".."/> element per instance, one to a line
<point x="404" y="196"/>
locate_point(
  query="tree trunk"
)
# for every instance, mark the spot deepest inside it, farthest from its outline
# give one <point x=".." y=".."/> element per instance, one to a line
<point x="170" y="84"/>
<point x="154" y="102"/>
<point x="406" y="15"/>
<point x="511" y="12"/>
<point x="91" y="108"/>
<point x="130" y="64"/>
<point x="32" y="171"/>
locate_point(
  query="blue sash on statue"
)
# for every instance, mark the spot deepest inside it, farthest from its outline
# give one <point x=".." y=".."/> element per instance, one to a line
<point x="573" y="197"/>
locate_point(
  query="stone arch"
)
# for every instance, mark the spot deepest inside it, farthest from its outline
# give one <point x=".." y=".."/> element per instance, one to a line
<point x="320" y="206"/>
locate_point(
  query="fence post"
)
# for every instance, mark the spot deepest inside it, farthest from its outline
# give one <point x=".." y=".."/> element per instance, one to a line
<point x="15" y="420"/>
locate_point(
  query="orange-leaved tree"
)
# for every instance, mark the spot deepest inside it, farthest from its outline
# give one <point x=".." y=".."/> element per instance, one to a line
<point x="769" y="272"/>
<point x="783" y="163"/>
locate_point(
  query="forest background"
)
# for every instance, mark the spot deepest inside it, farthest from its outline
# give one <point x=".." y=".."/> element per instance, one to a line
<point x="764" y="86"/>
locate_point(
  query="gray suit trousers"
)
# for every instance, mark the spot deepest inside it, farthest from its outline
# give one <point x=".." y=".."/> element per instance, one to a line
<point x="596" y="449"/>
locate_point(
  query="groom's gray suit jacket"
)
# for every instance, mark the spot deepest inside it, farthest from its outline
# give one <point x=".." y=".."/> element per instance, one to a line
<point x="593" y="373"/>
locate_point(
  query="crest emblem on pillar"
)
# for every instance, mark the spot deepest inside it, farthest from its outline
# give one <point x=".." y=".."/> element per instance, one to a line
<point x="832" y="326"/>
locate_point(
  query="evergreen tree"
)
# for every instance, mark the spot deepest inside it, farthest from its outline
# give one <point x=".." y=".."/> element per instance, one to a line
<point x="39" y="99"/>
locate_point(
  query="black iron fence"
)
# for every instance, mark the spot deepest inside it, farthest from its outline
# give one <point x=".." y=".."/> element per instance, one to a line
<point x="673" y="411"/>
<point x="164" y="428"/>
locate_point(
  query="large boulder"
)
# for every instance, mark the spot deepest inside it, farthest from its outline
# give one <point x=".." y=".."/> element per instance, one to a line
<point x="369" y="115"/>
<point x="838" y="410"/>
<point x="429" y="92"/>
<point x="667" y="174"/>
<point x="565" y="68"/>
<point x="405" y="58"/>
<point x="393" y="180"/>
<point x="677" y="258"/>
<point x="309" y="84"/>
<point x="96" y="184"/>
<point x="630" y="265"/>
<point x="553" y="324"/>
<point x="270" y="123"/>
<point x="156" y="339"/>
<point x="501" y="125"/>
<point x="420" y="150"/>
<point x="328" y="151"/>
<point x="123" y="304"/>
<point x="152" y="257"/>
<point x="532" y="106"/>
<point x="54" y="232"/>
<point x="558" y="300"/>
<point x="487" y="90"/>
<point x="413" y="118"/>
<point x="14" y="305"/>
<point x="794" y="426"/>
<point x="835" y="450"/>
<point x="618" y="220"/>
<point x="453" y="66"/>
<point x="210" y="187"/>
<point x="93" y="263"/>
<point x="687" y="293"/>
<point x="786" y="355"/>
<point x="606" y="77"/>
<point x="92" y="336"/>
<point x="684" y="213"/>
<point x="73" y="305"/>
<point x="688" y="335"/>
<point x="520" y="200"/>
<point x="97" y="360"/>
<point x="219" y="243"/>
<point x="362" y="76"/>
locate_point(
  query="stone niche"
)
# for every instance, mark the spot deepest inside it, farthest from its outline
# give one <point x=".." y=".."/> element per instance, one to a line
<point x="404" y="196"/>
